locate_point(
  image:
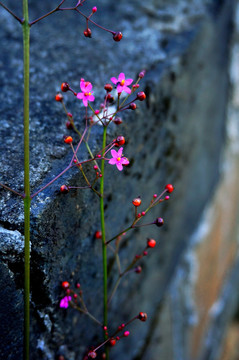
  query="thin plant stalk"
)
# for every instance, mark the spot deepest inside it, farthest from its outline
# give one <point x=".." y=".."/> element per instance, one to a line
<point x="104" y="247"/>
<point x="27" y="197"/>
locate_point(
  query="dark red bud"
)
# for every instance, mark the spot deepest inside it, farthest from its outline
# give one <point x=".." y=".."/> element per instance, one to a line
<point x="87" y="32"/>
<point x="108" y="87"/>
<point x="117" y="36"/>
<point x="65" y="86"/>
<point x="141" y="96"/>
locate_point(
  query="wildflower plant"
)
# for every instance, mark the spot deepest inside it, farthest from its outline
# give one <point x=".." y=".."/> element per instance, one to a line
<point x="119" y="94"/>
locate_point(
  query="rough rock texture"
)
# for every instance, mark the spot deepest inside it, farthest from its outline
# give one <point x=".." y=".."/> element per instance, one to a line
<point x="176" y="136"/>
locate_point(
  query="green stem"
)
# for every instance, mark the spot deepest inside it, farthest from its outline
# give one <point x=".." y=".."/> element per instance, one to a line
<point x="27" y="198"/>
<point x="104" y="247"/>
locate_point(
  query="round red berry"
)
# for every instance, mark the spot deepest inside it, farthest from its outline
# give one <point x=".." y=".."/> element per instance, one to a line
<point x="120" y="140"/>
<point x="64" y="189"/>
<point x="68" y="139"/>
<point x="108" y="87"/>
<point x="169" y="188"/>
<point x="151" y="243"/>
<point x="117" y="36"/>
<point x="138" y="269"/>
<point x="159" y="222"/>
<point x="142" y="316"/>
<point x="65" y="284"/>
<point x="65" y="86"/>
<point x="59" y="97"/>
<point x="132" y="106"/>
<point x="137" y="202"/>
<point x="94" y="9"/>
<point x="87" y="32"/>
<point x="112" y="342"/>
<point x="126" y="333"/>
<point x="141" y="96"/>
<point x="98" y="234"/>
<point x="118" y="121"/>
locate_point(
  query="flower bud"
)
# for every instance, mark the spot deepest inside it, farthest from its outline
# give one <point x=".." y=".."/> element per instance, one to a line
<point x="169" y="188"/>
<point x="87" y="32"/>
<point x="142" y="316"/>
<point x="137" y="202"/>
<point x="117" y="36"/>
<point x="120" y="140"/>
<point x="159" y="222"/>
<point x="64" y="189"/>
<point x="132" y="106"/>
<point x="151" y="243"/>
<point x="141" y="96"/>
<point x="108" y="87"/>
<point x="65" y="284"/>
<point x="117" y="120"/>
<point x="65" y="86"/>
<point x="94" y="9"/>
<point x="68" y="139"/>
<point x="59" y="97"/>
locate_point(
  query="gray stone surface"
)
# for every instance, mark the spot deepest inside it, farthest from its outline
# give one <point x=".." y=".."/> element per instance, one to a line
<point x="175" y="136"/>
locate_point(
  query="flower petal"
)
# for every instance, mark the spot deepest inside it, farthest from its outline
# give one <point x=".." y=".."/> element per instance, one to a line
<point x="121" y="77"/>
<point x="114" y="80"/>
<point x="88" y="87"/>
<point x="91" y="98"/>
<point x="127" y="89"/>
<point x="120" y="152"/>
<point x="125" y="161"/>
<point x="119" y="166"/>
<point x="80" y="96"/>
<point x="120" y="88"/>
<point x="114" y="153"/>
<point x="112" y="161"/>
<point x="128" y="81"/>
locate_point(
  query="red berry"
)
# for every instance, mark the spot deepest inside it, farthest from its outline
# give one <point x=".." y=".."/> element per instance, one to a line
<point x="112" y="342"/>
<point x="109" y="98"/>
<point x="120" y="140"/>
<point x="138" y="269"/>
<point x="97" y="112"/>
<point x="141" y="96"/>
<point x="105" y="328"/>
<point x="69" y="115"/>
<point x="108" y="87"/>
<point x="65" y="86"/>
<point x="98" y="234"/>
<point x="155" y="195"/>
<point x="78" y="285"/>
<point x="145" y="253"/>
<point x="142" y="316"/>
<point x="87" y="32"/>
<point x="159" y="222"/>
<point x="75" y="296"/>
<point x="68" y="291"/>
<point x="117" y="36"/>
<point x="137" y="202"/>
<point x="141" y="74"/>
<point x="92" y="354"/>
<point x="64" y="189"/>
<point x="126" y="333"/>
<point x="68" y="139"/>
<point x="65" y="284"/>
<point x="151" y="243"/>
<point x="135" y="86"/>
<point x="132" y="106"/>
<point x="69" y="125"/>
<point x="143" y="213"/>
<point x="139" y="215"/>
<point x="94" y="9"/>
<point x="59" y="97"/>
<point x="167" y="197"/>
<point x="169" y="188"/>
<point x="118" y="121"/>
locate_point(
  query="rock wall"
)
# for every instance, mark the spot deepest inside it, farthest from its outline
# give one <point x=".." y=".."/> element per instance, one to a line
<point x="185" y="133"/>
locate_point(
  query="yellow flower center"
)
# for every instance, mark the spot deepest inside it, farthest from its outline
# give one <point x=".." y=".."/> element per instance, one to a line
<point x="87" y="94"/>
<point x="122" y="82"/>
<point x="118" y="158"/>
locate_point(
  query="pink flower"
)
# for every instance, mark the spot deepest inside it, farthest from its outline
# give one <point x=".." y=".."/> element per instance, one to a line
<point x="86" y="94"/>
<point x="118" y="160"/>
<point x="64" y="303"/>
<point x="122" y="83"/>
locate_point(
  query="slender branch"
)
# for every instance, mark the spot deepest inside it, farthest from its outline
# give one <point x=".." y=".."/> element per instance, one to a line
<point x="125" y="230"/>
<point x="52" y="181"/>
<point x="47" y="14"/>
<point x="102" y="218"/>
<point x="12" y="13"/>
<point x="13" y="191"/>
